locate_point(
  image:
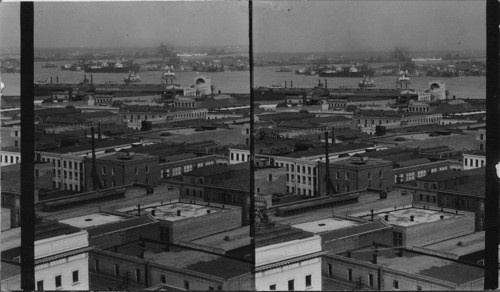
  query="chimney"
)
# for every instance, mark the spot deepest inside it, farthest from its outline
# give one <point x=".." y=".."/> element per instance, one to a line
<point x="153" y="212"/>
<point x="208" y="211"/>
<point x="386" y="217"/>
<point x="178" y="212"/>
<point x="375" y="254"/>
<point x="442" y="216"/>
<point x="327" y="165"/>
<point x="371" y="214"/>
<point x="139" y="209"/>
<point x="220" y="92"/>
<point x="349" y="254"/>
<point x="412" y="218"/>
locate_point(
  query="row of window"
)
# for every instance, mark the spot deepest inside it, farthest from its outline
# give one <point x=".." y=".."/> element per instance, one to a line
<point x="291" y="167"/>
<point x="66" y="164"/>
<point x="410" y="176"/>
<point x="369" y="175"/>
<point x="236" y="157"/>
<point x="178" y="170"/>
<point x="300" y="191"/>
<point x="9" y="159"/>
<point x="291" y="178"/>
<point x="291" y="284"/>
<point x="472" y="161"/>
<point x="67" y="174"/>
<point x="58" y="281"/>
<point x="66" y="186"/>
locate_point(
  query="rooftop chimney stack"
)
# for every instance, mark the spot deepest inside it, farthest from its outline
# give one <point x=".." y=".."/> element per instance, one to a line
<point x="371" y="214"/>
<point x="327" y="165"/>
<point x="375" y="255"/>
<point x="139" y="209"/>
<point x="178" y="212"/>
<point x="412" y="218"/>
<point x="386" y="217"/>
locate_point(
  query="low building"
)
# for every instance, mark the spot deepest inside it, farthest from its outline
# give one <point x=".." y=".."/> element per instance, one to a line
<point x="385" y="268"/>
<point x="146" y="263"/>
<point x="418" y="226"/>
<point x="287" y="258"/>
<point x="61" y="257"/>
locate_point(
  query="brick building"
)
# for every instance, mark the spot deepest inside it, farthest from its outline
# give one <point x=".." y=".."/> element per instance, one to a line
<point x="123" y="168"/>
<point x="356" y="173"/>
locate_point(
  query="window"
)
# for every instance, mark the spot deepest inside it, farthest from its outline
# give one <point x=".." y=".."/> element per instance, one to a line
<point x="272" y="287"/>
<point x="147" y="168"/>
<point x="292" y="167"/>
<point x="64" y="164"/>
<point x="270" y="177"/>
<point x="75" y="277"/>
<point x="58" y="281"/>
<point x="232" y="156"/>
<point x="176" y="171"/>
<point x="347" y="176"/>
<point x="349" y="274"/>
<point x="117" y="270"/>
<point x="298" y="168"/>
<point x="136" y="171"/>
<point x="163" y="279"/>
<point x="370" y="280"/>
<point x="138" y="275"/>
<point x="337" y="175"/>
<point x="369" y="175"/>
<point x="188" y="168"/>
<point x="39" y="286"/>
<point x="113" y="171"/>
<point x="291" y="285"/>
<point x="421" y="173"/>
<point x="186" y="285"/>
<point x="308" y="281"/>
<point x="427" y="198"/>
<point x="309" y="170"/>
<point x="397" y="238"/>
<point x="330" y="270"/>
<point x="395" y="284"/>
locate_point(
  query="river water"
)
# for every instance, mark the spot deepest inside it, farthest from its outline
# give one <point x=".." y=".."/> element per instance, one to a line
<point x="239" y="81"/>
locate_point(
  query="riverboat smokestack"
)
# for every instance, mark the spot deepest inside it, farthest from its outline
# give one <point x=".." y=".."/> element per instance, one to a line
<point x="327" y="165"/>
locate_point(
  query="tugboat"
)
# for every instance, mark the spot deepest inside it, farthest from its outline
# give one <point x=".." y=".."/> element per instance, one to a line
<point x="366" y="82"/>
<point x="132" y="78"/>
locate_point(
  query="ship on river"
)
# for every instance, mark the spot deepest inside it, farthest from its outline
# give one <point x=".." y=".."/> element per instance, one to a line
<point x="347" y="71"/>
<point x="110" y="67"/>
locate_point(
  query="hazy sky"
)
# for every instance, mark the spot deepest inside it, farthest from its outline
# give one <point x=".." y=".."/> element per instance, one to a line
<point x="9" y="25"/>
<point x="141" y="24"/>
<point x="294" y="26"/>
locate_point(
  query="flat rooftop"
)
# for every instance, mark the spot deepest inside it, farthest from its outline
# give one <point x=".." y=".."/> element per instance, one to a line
<point x="93" y="220"/>
<point x="326" y="224"/>
<point x="188" y="259"/>
<point x="169" y="211"/>
<point x="402" y="217"/>
<point x="469" y="243"/>
<point x="236" y="238"/>
<point x="421" y="264"/>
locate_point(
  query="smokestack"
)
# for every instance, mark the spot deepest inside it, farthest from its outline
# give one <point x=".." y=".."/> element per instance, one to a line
<point x="371" y="213"/>
<point x="138" y="209"/>
<point x="327" y="165"/>
<point x="94" y="168"/>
